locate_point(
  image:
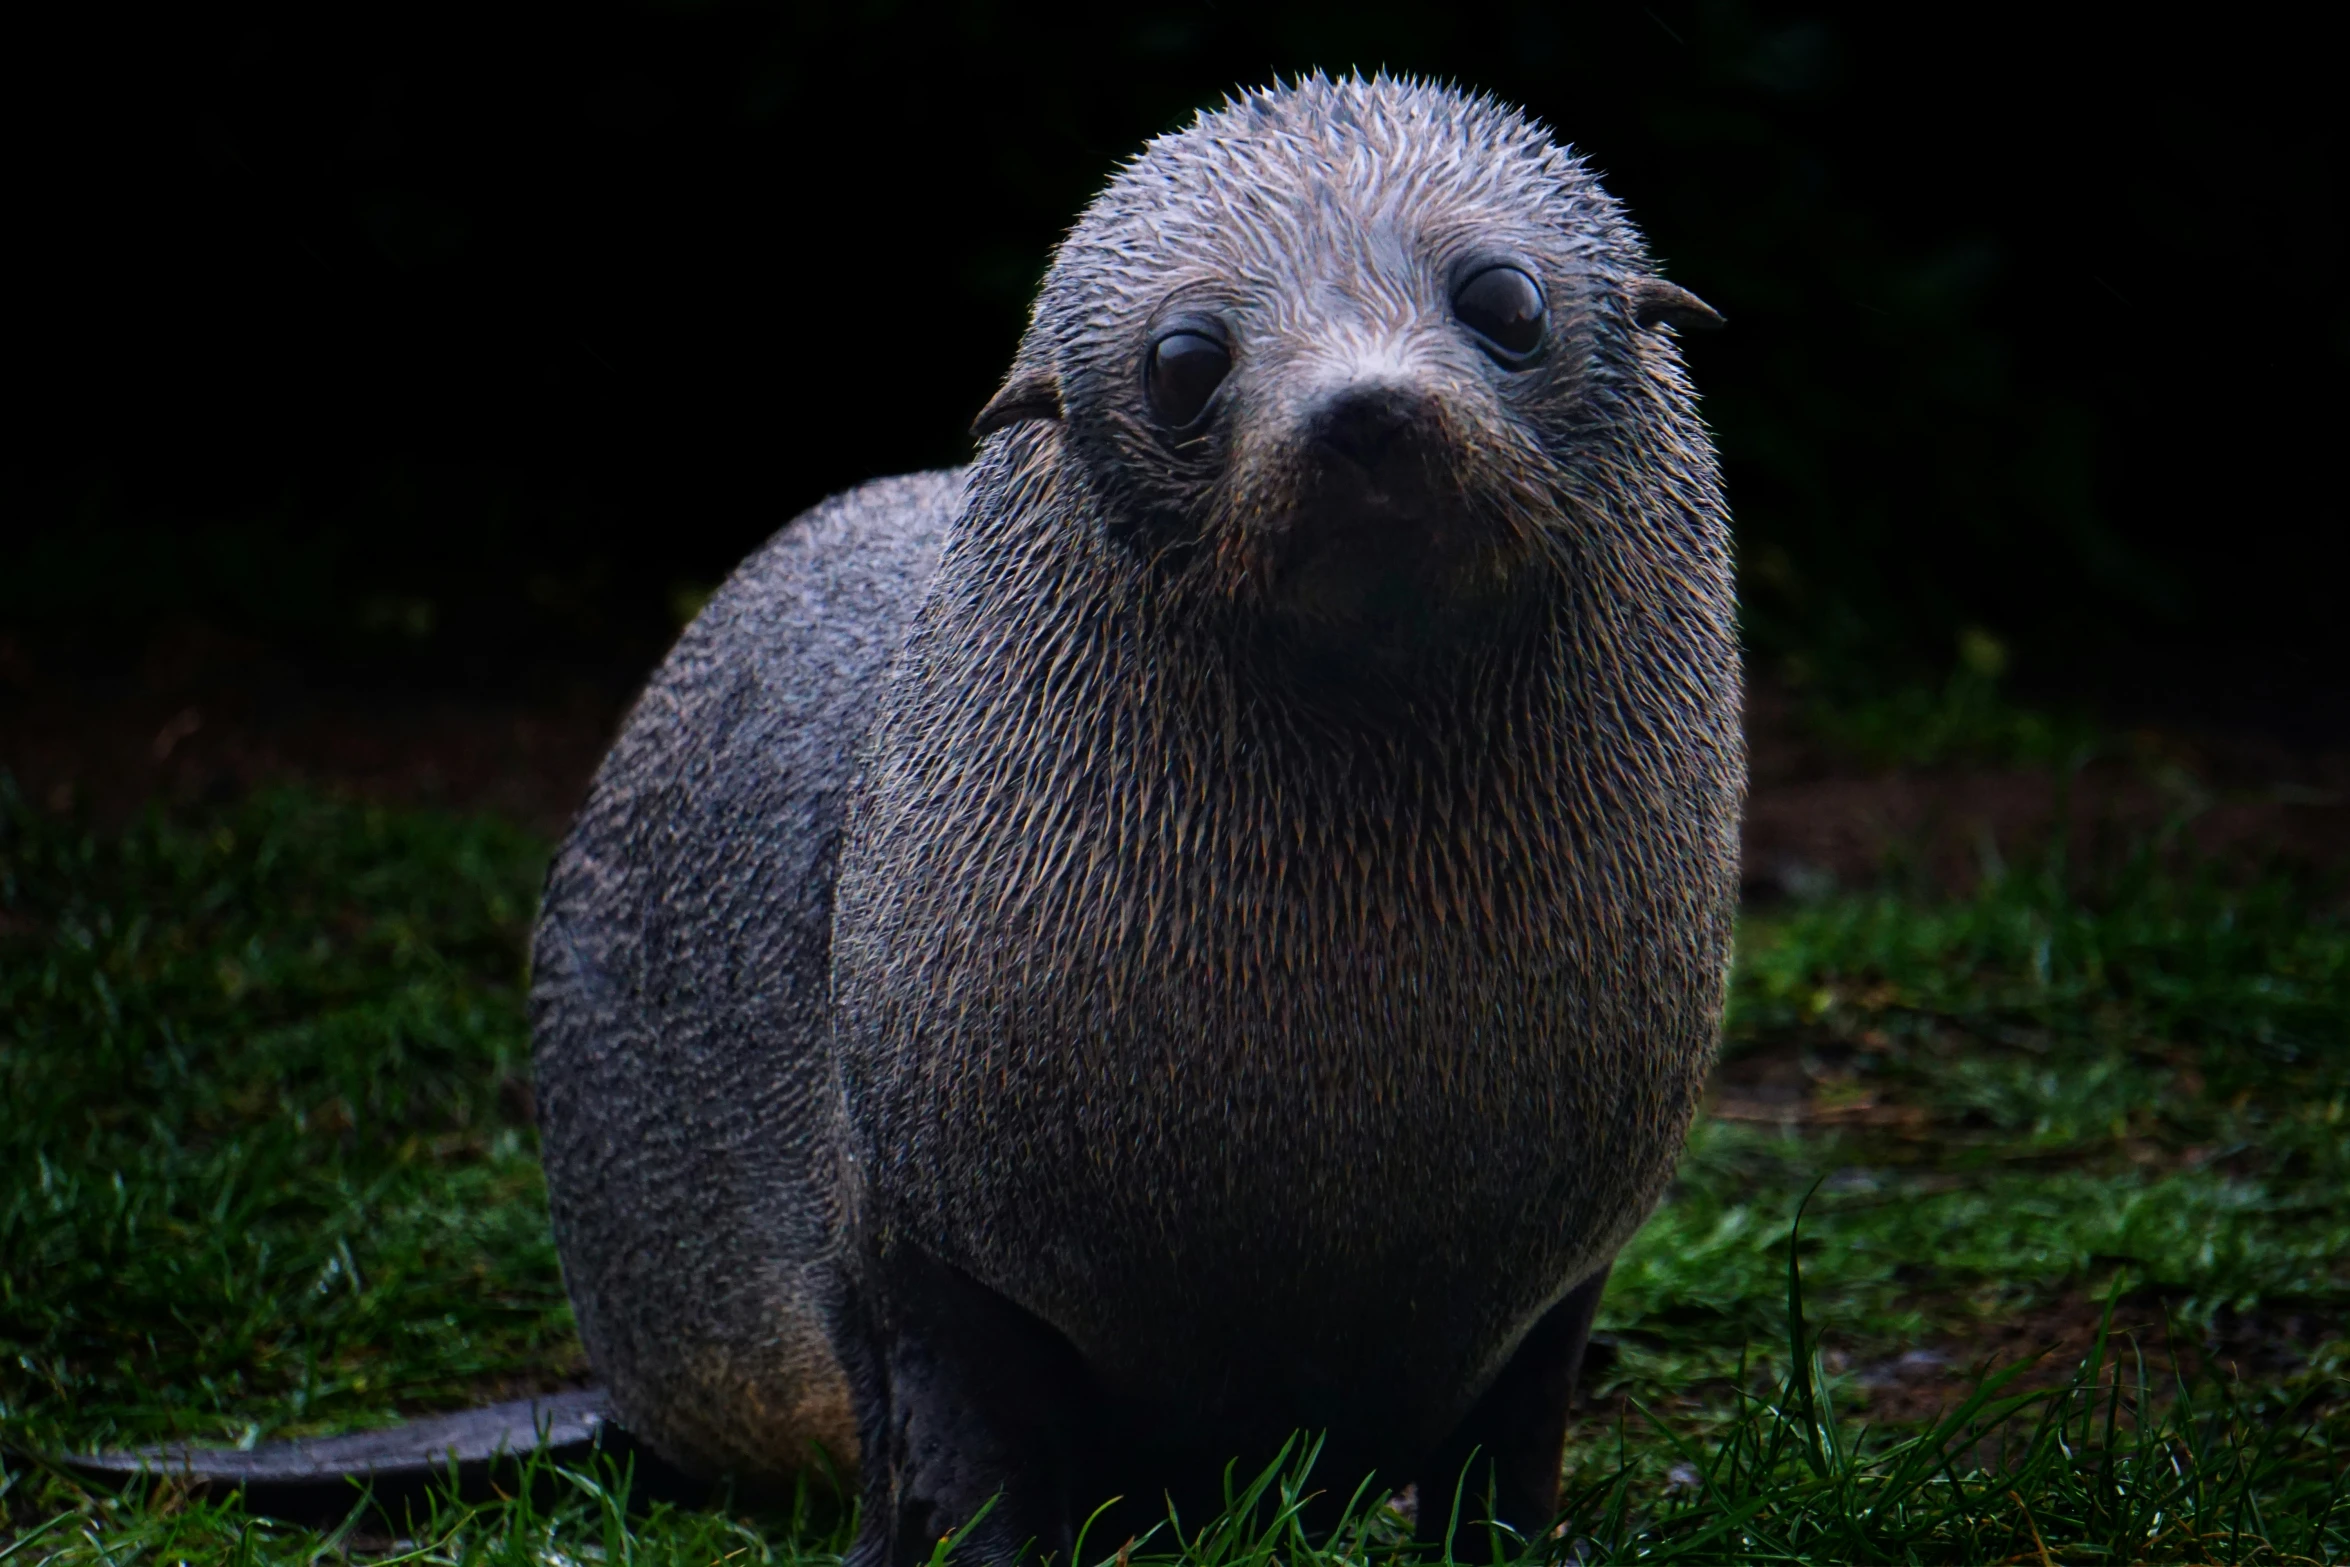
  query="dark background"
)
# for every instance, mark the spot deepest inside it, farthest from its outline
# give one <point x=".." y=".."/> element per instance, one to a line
<point x="458" y="350"/>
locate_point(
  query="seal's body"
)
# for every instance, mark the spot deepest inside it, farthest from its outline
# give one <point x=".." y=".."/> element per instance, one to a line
<point x="679" y="977"/>
<point x="1211" y="922"/>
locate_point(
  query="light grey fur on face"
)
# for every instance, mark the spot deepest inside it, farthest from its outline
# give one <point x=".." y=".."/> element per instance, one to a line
<point x="1325" y="228"/>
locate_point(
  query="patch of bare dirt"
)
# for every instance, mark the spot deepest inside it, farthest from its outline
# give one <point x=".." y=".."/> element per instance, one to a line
<point x="1812" y="1084"/>
<point x="2055" y="1339"/>
<point x="1815" y="820"/>
<point x="205" y="719"/>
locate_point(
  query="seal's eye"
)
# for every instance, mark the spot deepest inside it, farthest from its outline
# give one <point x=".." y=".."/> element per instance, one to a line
<point x="1185" y="370"/>
<point x="1502" y="306"/>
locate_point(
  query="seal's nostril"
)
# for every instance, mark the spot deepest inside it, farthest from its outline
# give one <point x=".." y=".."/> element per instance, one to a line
<point x="1363" y="426"/>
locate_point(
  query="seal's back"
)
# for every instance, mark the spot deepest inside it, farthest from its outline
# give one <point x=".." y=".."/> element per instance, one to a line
<point x="678" y="993"/>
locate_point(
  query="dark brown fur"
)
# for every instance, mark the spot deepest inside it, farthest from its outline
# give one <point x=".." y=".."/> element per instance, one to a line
<point x="1282" y="911"/>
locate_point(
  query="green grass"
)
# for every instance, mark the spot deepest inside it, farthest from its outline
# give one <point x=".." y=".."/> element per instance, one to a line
<point x="266" y="1169"/>
<point x="2143" y="1076"/>
<point x="263" y="1169"/>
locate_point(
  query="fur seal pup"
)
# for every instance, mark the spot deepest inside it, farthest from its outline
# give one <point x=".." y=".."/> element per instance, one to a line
<point x="1210" y="922"/>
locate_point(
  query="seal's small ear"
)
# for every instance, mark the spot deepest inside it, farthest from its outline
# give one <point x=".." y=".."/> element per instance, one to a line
<point x="1029" y="392"/>
<point x="1655" y="300"/>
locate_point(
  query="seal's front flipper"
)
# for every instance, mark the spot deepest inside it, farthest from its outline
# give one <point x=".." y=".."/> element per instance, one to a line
<point x="1504" y="1460"/>
<point x="479" y="1453"/>
<point x="978" y="1423"/>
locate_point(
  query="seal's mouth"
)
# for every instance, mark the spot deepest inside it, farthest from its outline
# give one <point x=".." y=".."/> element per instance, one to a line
<point x="1380" y="543"/>
<point x="1385" y="576"/>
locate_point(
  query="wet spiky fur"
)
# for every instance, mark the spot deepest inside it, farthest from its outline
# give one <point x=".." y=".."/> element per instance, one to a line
<point x="1278" y="986"/>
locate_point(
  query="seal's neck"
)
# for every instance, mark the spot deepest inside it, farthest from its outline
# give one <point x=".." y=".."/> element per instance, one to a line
<point x="1086" y="748"/>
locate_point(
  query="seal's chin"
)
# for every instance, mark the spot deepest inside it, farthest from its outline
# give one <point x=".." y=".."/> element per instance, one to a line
<point x="1390" y="571"/>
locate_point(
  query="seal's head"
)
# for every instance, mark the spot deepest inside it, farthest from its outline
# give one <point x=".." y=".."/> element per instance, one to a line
<point x="1359" y="359"/>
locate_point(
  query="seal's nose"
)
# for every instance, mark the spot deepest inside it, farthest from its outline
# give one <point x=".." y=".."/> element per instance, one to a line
<point x="1365" y="424"/>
